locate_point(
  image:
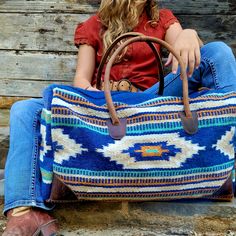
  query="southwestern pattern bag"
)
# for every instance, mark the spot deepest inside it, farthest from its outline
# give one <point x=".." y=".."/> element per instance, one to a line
<point x="137" y="146"/>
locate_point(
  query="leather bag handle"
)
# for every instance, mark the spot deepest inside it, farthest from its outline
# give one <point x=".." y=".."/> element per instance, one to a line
<point x="188" y="118"/>
<point x="112" y="46"/>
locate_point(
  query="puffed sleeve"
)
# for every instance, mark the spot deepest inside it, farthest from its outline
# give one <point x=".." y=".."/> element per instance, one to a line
<point x="88" y="32"/>
<point x="167" y="18"/>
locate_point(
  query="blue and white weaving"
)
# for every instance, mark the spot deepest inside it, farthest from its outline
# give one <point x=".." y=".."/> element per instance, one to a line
<point x="156" y="160"/>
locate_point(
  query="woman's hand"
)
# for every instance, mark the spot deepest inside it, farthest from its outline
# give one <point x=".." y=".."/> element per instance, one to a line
<point x="187" y="45"/>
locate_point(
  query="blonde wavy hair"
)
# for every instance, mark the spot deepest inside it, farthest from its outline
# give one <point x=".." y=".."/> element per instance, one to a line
<point x="122" y="16"/>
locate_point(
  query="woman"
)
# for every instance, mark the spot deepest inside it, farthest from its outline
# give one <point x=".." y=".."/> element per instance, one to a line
<point x="24" y="204"/>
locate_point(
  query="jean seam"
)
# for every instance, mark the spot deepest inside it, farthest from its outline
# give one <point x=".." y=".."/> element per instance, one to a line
<point x="35" y="155"/>
<point x="31" y="203"/>
<point x="174" y="78"/>
<point x="213" y="71"/>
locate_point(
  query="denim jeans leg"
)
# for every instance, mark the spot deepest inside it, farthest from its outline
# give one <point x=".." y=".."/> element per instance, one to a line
<point x="22" y="174"/>
<point x="218" y="67"/>
<point x="217" y="71"/>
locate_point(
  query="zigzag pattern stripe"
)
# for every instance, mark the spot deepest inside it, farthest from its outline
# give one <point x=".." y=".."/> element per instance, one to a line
<point x="64" y="111"/>
<point x="129" y="111"/>
<point x="141" y="174"/>
<point x="77" y="99"/>
<point x="142" y="182"/>
<point x="146" y="128"/>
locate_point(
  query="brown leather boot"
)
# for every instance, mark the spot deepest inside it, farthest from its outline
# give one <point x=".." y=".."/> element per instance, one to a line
<point x="33" y="223"/>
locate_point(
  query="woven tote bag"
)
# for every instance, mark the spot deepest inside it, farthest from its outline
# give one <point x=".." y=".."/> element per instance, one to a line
<point x="137" y="146"/>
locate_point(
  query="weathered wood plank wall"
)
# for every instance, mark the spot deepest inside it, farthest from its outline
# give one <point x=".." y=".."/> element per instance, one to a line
<point x="36" y="42"/>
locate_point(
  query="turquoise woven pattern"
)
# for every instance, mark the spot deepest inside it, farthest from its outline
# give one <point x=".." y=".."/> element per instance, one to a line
<point x="156" y="160"/>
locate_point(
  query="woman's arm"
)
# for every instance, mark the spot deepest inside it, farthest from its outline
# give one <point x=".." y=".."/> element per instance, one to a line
<point x="187" y="44"/>
<point x="85" y="67"/>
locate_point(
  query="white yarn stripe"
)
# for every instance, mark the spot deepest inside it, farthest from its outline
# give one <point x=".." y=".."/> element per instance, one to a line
<point x="130" y="111"/>
<point x="90" y="189"/>
<point x="150" y="121"/>
<point x="47" y="112"/>
<point x="47" y="181"/>
<point x="206" y="96"/>
<point x="46" y="148"/>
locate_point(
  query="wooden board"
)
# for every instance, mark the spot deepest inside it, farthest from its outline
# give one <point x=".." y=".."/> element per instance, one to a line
<point x="4" y="117"/>
<point x="25" y="74"/>
<point x="55" y="33"/>
<point x="4" y="135"/>
<point x="41" y="32"/>
<point x="36" y="66"/>
<point x="26" y="88"/>
<point x="200" y="7"/>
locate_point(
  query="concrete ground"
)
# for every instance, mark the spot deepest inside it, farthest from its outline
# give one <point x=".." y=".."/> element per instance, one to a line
<point x="145" y="219"/>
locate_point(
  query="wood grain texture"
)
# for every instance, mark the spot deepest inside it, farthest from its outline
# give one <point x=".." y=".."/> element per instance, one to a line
<point x="4" y="118"/>
<point x="4" y="143"/>
<point x="5" y="104"/>
<point x="26" y="74"/>
<point x="24" y="88"/>
<point x="55" y="33"/>
<point x="4" y="135"/>
<point x="36" y="66"/>
<point x="41" y="32"/>
<point x="188" y="7"/>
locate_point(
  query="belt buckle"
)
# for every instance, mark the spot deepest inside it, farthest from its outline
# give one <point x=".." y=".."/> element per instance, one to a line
<point x="124" y="85"/>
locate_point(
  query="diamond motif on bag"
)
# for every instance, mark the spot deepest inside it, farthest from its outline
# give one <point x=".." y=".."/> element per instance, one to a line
<point x="124" y="151"/>
<point x="149" y="151"/>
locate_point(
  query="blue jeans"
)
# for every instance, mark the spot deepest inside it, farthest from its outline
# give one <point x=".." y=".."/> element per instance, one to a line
<point x="22" y="174"/>
<point x="216" y="71"/>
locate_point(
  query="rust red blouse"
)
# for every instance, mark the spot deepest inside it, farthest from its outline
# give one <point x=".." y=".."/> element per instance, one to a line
<point x="138" y="64"/>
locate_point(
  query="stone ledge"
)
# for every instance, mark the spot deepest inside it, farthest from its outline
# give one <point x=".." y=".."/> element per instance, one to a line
<point x="191" y="208"/>
<point x="146" y="219"/>
<point x="160" y="218"/>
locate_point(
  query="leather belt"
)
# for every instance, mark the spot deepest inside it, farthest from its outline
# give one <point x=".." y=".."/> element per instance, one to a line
<point x="121" y="85"/>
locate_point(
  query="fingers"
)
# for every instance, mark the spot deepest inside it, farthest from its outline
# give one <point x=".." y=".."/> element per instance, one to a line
<point x="197" y="57"/>
<point x="194" y="60"/>
<point x="187" y="46"/>
<point x="175" y="63"/>
<point x="191" y="63"/>
<point x="169" y="60"/>
<point x="185" y="55"/>
<point x="191" y="59"/>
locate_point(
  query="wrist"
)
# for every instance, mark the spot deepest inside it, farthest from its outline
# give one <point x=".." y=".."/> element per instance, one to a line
<point x="197" y="36"/>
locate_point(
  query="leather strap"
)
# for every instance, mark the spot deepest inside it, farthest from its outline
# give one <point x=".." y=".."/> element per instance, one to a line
<point x="112" y="46"/>
<point x="188" y="117"/>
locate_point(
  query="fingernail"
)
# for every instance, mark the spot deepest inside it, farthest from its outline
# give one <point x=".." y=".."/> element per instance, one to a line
<point x="174" y="72"/>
